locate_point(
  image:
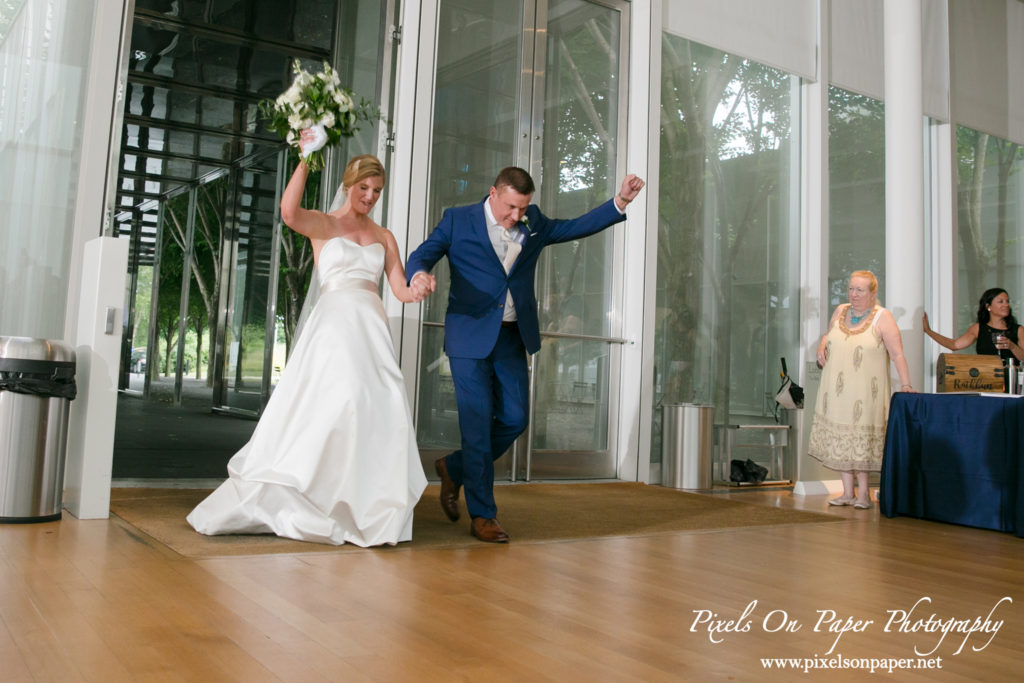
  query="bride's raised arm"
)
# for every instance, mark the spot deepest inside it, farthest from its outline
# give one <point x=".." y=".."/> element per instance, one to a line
<point x="308" y="222"/>
<point x="311" y="223"/>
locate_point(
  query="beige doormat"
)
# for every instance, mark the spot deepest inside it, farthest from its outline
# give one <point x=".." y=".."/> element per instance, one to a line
<point x="529" y="512"/>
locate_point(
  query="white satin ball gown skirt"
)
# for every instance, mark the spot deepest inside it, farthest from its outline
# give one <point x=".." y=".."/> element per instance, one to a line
<point x="333" y="458"/>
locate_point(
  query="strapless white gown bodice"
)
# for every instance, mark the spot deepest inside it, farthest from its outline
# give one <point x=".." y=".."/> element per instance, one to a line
<point x="341" y="258"/>
<point x="333" y="458"/>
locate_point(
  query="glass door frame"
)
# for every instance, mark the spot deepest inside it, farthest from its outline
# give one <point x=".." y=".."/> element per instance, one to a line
<point x="531" y="156"/>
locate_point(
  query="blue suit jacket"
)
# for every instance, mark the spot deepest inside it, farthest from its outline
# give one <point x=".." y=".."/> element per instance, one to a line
<point x="476" y="299"/>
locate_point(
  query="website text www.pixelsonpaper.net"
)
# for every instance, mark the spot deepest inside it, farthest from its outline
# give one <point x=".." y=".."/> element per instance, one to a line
<point x="866" y="664"/>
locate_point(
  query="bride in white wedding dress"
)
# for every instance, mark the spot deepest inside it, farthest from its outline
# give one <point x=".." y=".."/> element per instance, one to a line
<point x="333" y="458"/>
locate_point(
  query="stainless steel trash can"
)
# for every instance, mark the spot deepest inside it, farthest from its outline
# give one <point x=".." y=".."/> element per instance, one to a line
<point x="37" y="384"/>
<point x="687" y="445"/>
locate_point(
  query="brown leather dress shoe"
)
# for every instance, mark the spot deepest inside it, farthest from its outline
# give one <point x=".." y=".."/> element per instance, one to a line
<point x="449" y="491"/>
<point x="488" y="529"/>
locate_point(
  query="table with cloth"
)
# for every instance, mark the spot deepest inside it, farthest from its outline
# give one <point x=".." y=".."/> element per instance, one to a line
<point x="955" y="458"/>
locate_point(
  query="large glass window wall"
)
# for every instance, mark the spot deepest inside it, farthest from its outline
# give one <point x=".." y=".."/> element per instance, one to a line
<point x="196" y="149"/>
<point x="728" y="243"/>
<point x="856" y="167"/>
<point x="990" y="222"/>
<point x="549" y="101"/>
<point x="216" y="281"/>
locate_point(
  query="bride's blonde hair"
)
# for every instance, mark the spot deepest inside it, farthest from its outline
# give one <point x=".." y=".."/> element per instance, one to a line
<point x="360" y="167"/>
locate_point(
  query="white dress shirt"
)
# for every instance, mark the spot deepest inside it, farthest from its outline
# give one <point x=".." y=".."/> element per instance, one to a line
<point x="494" y="232"/>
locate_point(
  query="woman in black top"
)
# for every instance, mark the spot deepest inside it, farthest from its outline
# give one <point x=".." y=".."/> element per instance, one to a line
<point x="995" y="334"/>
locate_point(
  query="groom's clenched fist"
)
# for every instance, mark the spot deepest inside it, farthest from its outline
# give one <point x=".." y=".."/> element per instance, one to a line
<point x="631" y="186"/>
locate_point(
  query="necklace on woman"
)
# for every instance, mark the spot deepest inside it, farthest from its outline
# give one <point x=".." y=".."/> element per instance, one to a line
<point x="855" y="319"/>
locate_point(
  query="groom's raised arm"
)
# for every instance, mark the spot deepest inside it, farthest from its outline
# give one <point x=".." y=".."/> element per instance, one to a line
<point x="603" y="216"/>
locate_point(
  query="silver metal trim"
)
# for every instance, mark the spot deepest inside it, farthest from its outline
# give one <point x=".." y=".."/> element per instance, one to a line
<point x="559" y="335"/>
<point x="186" y="284"/>
<point x="527" y="55"/>
<point x="236" y="412"/>
<point x="152" y="343"/>
<point x="226" y="282"/>
<point x="270" y="325"/>
<point x="226" y="35"/>
<point x="128" y="339"/>
<point x="535" y="142"/>
<point x="388" y="76"/>
<point x="114" y="133"/>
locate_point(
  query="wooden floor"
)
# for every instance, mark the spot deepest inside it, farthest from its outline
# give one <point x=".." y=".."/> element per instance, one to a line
<point x="97" y="601"/>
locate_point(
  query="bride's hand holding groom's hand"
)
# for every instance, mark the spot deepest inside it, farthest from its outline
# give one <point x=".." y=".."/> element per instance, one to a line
<point x="422" y="285"/>
<point x="417" y="295"/>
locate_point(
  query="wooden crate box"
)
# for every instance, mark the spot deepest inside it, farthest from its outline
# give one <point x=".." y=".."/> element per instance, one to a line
<point x="969" y="372"/>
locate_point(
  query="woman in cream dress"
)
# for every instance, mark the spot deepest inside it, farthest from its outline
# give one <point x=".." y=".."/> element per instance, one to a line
<point x="848" y="433"/>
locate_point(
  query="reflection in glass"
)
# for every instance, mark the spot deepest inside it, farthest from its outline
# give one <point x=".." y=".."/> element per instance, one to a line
<point x="251" y="284"/>
<point x="728" y="233"/>
<point x="137" y="335"/>
<point x="476" y="110"/>
<point x="196" y="72"/>
<point x="308" y="21"/>
<point x="162" y="365"/>
<point x="576" y="285"/>
<point x="438" y="419"/>
<point x="572" y="396"/>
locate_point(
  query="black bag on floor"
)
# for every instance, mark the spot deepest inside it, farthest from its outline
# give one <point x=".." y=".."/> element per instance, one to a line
<point x="737" y="472"/>
<point x="747" y="472"/>
<point x="755" y="473"/>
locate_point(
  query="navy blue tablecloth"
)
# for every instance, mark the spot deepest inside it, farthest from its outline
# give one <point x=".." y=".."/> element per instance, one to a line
<point x="955" y="458"/>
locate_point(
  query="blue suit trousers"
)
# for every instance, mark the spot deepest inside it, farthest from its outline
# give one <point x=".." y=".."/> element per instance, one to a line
<point x="492" y="394"/>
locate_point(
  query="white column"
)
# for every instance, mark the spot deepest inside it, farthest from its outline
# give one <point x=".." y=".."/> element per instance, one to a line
<point x="940" y="288"/>
<point x="410" y="167"/>
<point x="102" y="117"/>
<point x="90" y="453"/>
<point x="815" y="308"/>
<point x="904" y="178"/>
<point x="641" y="149"/>
<point x="96" y="274"/>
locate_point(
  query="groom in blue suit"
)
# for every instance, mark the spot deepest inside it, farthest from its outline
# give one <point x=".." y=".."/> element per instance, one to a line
<point x="491" y="324"/>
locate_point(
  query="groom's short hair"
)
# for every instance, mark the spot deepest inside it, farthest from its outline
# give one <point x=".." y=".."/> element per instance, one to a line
<point x="516" y="178"/>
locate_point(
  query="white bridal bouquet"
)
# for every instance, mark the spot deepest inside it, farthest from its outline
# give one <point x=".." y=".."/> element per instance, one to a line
<point x="319" y="102"/>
